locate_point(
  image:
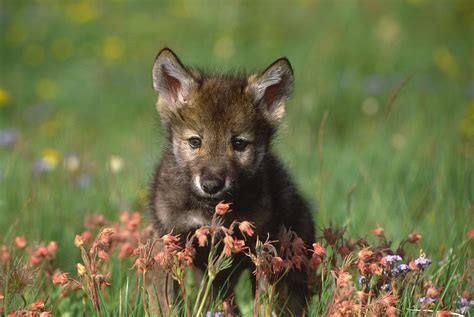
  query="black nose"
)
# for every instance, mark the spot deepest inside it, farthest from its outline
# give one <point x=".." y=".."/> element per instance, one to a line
<point x="212" y="185"/>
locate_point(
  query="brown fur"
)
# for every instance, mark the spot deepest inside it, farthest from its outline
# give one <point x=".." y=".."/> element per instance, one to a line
<point x="217" y="109"/>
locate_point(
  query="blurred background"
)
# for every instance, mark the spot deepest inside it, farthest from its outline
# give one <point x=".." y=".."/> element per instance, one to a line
<point x="380" y="129"/>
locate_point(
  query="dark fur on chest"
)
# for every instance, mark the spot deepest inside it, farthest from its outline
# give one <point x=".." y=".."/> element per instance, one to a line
<point x="269" y="200"/>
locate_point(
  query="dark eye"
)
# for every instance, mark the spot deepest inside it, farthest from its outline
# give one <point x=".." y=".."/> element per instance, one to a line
<point x="239" y="144"/>
<point x="194" y="142"/>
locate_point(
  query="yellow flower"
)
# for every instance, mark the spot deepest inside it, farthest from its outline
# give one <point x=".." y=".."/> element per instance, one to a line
<point x="446" y="62"/>
<point x="4" y="97"/>
<point x="50" y="157"/>
<point x="82" y="12"/>
<point x="46" y="89"/>
<point x="387" y="30"/>
<point x="81" y="269"/>
<point x="113" y="48"/>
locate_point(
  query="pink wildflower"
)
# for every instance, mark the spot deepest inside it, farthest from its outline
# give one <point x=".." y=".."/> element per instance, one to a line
<point x="222" y="208"/>
<point x="297" y="260"/>
<point x="378" y="231"/>
<point x="78" y="241"/>
<point x="277" y="264"/>
<point x="4" y="254"/>
<point x="125" y="250"/>
<point x="414" y="237"/>
<point x="37" y="305"/>
<point x="60" y="278"/>
<point x="318" y="250"/>
<point x="20" y="242"/>
<point x="365" y="254"/>
<point x="246" y="228"/>
<point x="201" y="235"/>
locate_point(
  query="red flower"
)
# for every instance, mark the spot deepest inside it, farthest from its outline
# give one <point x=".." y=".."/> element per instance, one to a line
<point x="4" y="254"/>
<point x="78" y="241"/>
<point x="378" y="231"/>
<point x="376" y="269"/>
<point x="201" y="235"/>
<point x="103" y="255"/>
<point x="20" y="242"/>
<point x="52" y="247"/>
<point x="185" y="258"/>
<point x="414" y="237"/>
<point x="318" y="250"/>
<point x="365" y="254"/>
<point x="38" y="305"/>
<point x="470" y="234"/>
<point x="228" y="245"/>
<point x="140" y="265"/>
<point x="277" y="264"/>
<point x="238" y="245"/>
<point x="134" y="221"/>
<point x="86" y="236"/>
<point x="35" y="260"/>
<point x="298" y="245"/>
<point x="169" y="239"/>
<point x="343" y="279"/>
<point x="391" y="311"/>
<point x="61" y="278"/>
<point x="125" y="250"/>
<point x="297" y="260"/>
<point x="314" y="262"/>
<point x="42" y="252"/>
<point x="222" y="208"/>
<point x="246" y="228"/>
<point x="232" y="245"/>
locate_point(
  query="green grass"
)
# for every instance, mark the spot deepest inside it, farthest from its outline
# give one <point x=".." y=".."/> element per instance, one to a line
<point x="78" y="80"/>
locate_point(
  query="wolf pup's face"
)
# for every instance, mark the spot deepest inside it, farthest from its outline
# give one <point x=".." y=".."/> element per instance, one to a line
<point x="219" y="126"/>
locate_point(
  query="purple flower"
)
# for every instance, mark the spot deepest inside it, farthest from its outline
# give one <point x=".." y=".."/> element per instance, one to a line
<point x="401" y="269"/>
<point x="362" y="279"/>
<point x="8" y="137"/>
<point x="464" y="305"/>
<point x="216" y="314"/>
<point x="422" y="262"/>
<point x="393" y="258"/>
<point x="463" y="301"/>
<point x="427" y="300"/>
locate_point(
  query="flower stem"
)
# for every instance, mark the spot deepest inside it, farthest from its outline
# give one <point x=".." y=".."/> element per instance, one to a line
<point x="206" y="293"/>
<point x="144" y="294"/>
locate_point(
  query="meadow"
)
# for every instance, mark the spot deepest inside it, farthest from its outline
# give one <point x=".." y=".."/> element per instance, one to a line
<point x="379" y="133"/>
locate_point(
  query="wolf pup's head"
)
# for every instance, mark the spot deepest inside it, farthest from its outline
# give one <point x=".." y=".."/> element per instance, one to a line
<point x="219" y="125"/>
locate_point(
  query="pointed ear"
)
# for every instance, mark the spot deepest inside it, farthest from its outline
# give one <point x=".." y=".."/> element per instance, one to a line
<point x="272" y="88"/>
<point x="171" y="79"/>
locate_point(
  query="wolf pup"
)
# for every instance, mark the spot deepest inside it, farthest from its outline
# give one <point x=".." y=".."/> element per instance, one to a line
<point x="219" y="128"/>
